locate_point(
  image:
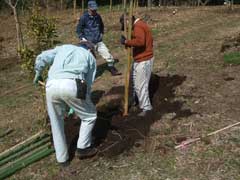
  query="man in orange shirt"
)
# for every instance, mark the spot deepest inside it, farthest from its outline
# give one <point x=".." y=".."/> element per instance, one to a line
<point x="142" y="43"/>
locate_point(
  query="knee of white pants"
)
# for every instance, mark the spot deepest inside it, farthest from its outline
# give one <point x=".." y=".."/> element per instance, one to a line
<point x="104" y="52"/>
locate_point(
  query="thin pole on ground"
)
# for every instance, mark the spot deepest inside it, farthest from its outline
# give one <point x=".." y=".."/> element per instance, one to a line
<point x="35" y="155"/>
<point x="22" y="144"/>
<point x="190" y="141"/>
<point x="26" y="150"/>
<point x="129" y="54"/>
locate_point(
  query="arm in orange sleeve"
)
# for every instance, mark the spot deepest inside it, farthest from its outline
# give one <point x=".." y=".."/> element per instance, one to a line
<point x="138" y="38"/>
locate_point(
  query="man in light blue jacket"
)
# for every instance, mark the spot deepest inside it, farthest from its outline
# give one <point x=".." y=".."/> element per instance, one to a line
<point x="70" y="77"/>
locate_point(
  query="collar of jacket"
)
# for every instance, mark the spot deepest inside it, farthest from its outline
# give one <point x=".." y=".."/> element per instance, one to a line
<point x="138" y="19"/>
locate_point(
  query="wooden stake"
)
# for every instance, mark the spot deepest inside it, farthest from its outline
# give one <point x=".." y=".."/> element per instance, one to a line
<point x="129" y="57"/>
<point x="190" y="141"/>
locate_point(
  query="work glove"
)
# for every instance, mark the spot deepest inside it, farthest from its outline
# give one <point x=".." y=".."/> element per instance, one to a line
<point x="122" y="40"/>
<point x="83" y="40"/>
<point x="37" y="78"/>
<point x="70" y="112"/>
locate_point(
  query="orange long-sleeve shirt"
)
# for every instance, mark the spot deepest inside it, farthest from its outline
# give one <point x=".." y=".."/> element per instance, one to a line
<point x="142" y="41"/>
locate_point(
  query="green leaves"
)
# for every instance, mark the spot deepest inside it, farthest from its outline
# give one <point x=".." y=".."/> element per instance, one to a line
<point x="43" y="30"/>
<point x="43" y="33"/>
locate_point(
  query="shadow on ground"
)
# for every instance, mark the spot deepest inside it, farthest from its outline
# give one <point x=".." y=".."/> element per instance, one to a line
<point x="114" y="134"/>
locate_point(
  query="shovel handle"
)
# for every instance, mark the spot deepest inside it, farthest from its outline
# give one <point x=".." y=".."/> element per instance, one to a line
<point x="42" y="83"/>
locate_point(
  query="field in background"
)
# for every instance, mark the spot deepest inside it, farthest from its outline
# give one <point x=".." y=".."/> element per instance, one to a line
<point x="194" y="93"/>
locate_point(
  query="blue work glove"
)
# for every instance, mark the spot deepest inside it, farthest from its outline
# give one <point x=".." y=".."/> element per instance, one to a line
<point x="37" y="78"/>
<point x="122" y="40"/>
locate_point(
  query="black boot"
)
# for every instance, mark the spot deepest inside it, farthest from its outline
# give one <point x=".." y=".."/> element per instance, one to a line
<point x="87" y="152"/>
<point x="113" y="71"/>
<point x="144" y="113"/>
<point x="64" y="164"/>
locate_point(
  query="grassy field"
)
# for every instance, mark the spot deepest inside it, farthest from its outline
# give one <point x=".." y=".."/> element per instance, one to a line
<point x="196" y="93"/>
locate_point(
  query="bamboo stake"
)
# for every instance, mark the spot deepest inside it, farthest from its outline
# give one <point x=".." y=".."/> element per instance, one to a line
<point x="28" y="141"/>
<point x="125" y="20"/>
<point x="128" y="68"/>
<point x="190" y="141"/>
<point x="23" y="162"/>
<point x="24" y="151"/>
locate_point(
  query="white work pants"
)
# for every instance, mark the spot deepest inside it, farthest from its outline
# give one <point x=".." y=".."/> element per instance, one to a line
<point x="61" y="93"/>
<point x="141" y="74"/>
<point x="103" y="51"/>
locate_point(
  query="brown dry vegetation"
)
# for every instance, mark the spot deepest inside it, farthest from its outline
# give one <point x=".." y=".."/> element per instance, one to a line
<point x="193" y="93"/>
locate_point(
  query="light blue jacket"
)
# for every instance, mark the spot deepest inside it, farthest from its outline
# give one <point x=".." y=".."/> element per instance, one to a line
<point x="68" y="62"/>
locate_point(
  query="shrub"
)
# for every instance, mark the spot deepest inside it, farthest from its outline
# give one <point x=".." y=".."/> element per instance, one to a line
<point x="42" y="31"/>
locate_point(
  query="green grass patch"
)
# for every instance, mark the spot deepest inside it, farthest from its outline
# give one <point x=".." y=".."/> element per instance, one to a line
<point x="232" y="58"/>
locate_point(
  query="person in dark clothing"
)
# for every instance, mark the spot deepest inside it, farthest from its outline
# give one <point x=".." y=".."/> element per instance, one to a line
<point x="91" y="28"/>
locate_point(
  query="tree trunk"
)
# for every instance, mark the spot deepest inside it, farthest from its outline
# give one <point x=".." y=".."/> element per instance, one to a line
<point x="20" y="43"/>
<point x="61" y="4"/>
<point x="47" y="5"/>
<point x="19" y="37"/>
<point x="199" y="2"/>
<point x="110" y="5"/>
<point x="232" y="2"/>
<point x="135" y="4"/>
<point x="74" y="7"/>
<point x="149" y="4"/>
<point x="205" y="3"/>
<point x="82" y="6"/>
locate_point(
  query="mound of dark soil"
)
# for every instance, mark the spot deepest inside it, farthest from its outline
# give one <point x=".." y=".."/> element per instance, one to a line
<point x="115" y="134"/>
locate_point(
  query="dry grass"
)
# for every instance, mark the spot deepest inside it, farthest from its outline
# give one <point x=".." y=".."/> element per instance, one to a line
<point x="187" y="43"/>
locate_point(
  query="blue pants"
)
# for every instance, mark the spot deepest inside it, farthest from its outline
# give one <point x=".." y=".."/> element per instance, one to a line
<point x="61" y="93"/>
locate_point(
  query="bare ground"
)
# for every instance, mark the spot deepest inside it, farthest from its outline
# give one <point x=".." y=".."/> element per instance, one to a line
<point x="193" y="93"/>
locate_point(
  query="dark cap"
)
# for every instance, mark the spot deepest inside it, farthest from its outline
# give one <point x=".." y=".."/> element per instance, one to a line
<point x="92" y="5"/>
<point x="86" y="45"/>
